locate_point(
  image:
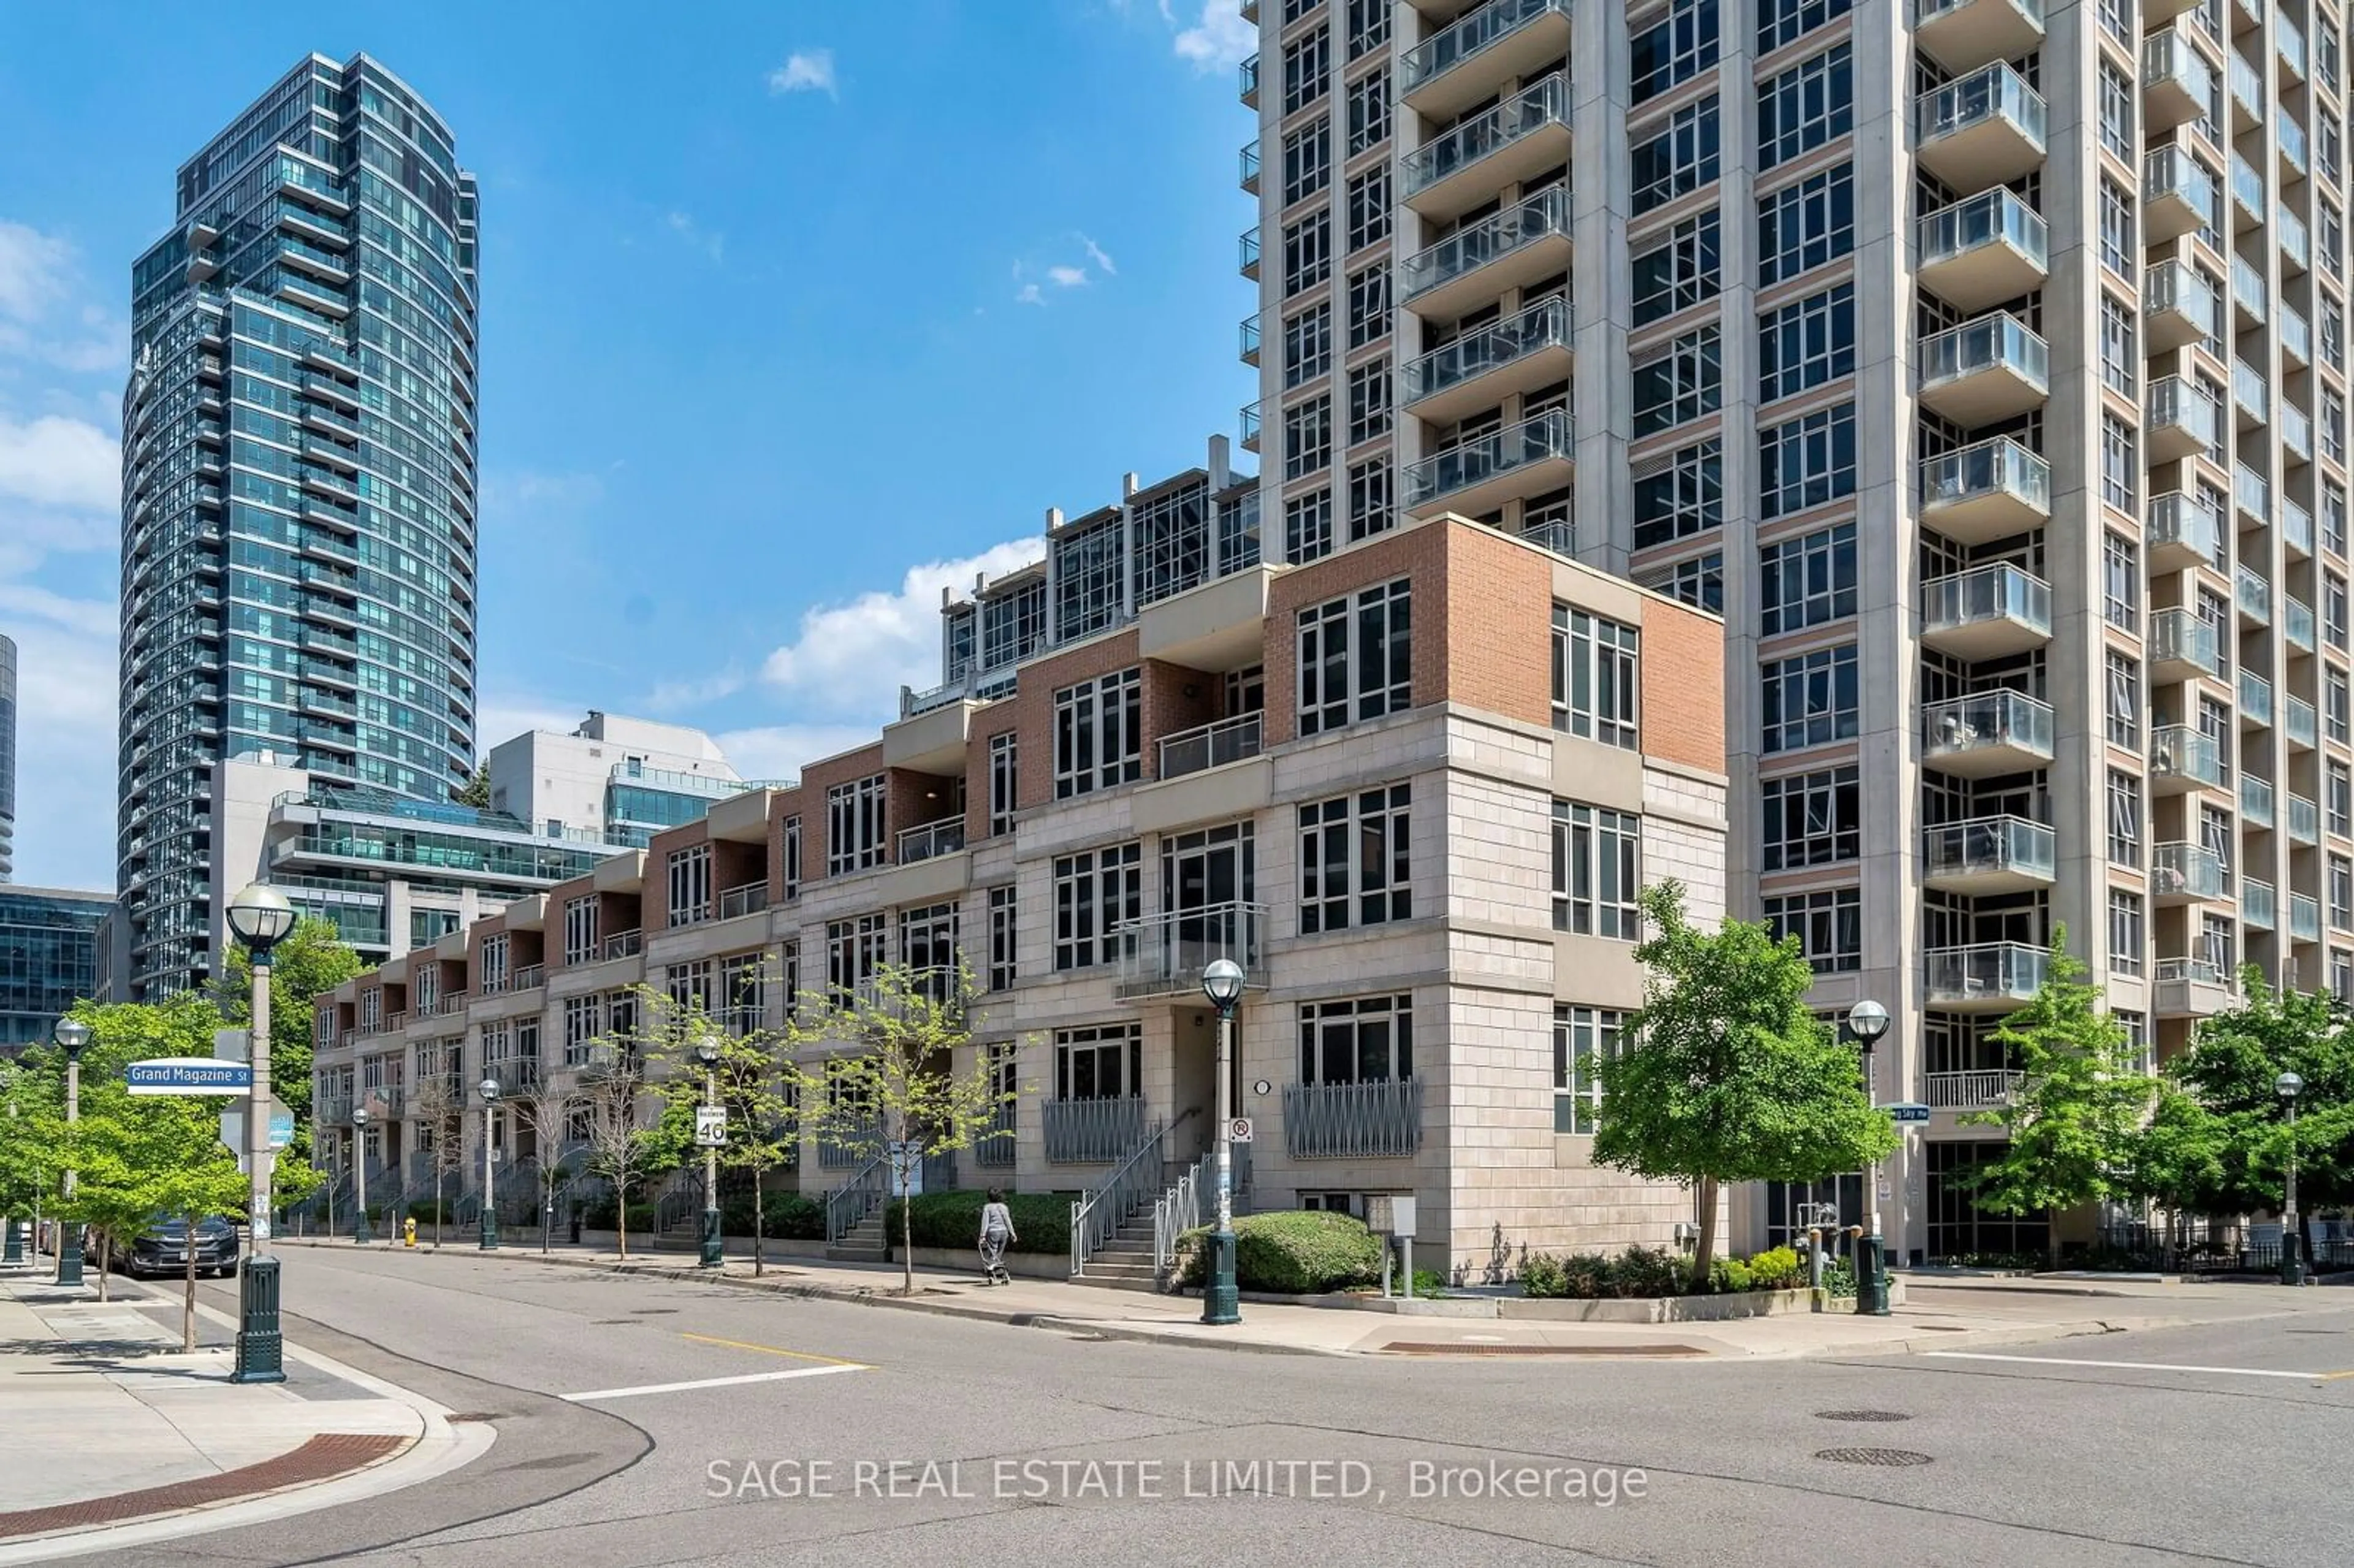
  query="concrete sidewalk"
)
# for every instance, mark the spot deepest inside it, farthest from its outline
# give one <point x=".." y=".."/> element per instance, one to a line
<point x="114" y="1435"/>
<point x="1941" y="1314"/>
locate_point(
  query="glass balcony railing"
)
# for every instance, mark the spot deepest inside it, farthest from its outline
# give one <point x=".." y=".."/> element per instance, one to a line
<point x="2178" y="522"/>
<point x="2256" y="802"/>
<point x="2296" y="247"/>
<point x="2255" y="697"/>
<point x="2295" y="332"/>
<point x="2247" y="86"/>
<point x="2304" y="918"/>
<point x="2248" y="290"/>
<point x="1250" y="167"/>
<point x="1488" y="457"/>
<point x="931" y="841"/>
<point x="1211" y="745"/>
<point x="2292" y="146"/>
<point x="2000" y="467"/>
<point x="2288" y="40"/>
<point x="1989" y="217"/>
<point x="2259" y="904"/>
<point x="2186" y="871"/>
<point x="2303" y="819"/>
<point x="2296" y="432"/>
<point x="2252" y="492"/>
<point x="2248" y="188"/>
<point x="1987" y="846"/>
<point x="2251" y="392"/>
<point x="1543" y="326"/>
<point x="1535" y="108"/>
<point x="2297" y="623"/>
<point x="1541" y="216"/>
<point x="1451" y="46"/>
<point x="1989" y="972"/>
<point x="1989" y="93"/>
<point x="2296" y="527"/>
<point x="1250" y="340"/>
<point x="1997" y="592"/>
<point x="2180" y="637"/>
<point x="2172" y="174"/>
<point x="2298" y="723"/>
<point x="2177" y="751"/>
<point x="1250" y="426"/>
<point x="2000" y="341"/>
<point x="2254" y="595"/>
<point x="1248" y="82"/>
<point x="1986" y="722"/>
<point x="1250" y="252"/>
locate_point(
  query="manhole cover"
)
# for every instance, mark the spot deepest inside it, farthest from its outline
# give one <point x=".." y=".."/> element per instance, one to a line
<point x="472" y="1415"/>
<point x="1861" y="1415"/>
<point x="1892" y="1458"/>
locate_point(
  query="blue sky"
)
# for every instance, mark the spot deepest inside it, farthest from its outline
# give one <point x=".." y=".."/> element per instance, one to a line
<point x="790" y="314"/>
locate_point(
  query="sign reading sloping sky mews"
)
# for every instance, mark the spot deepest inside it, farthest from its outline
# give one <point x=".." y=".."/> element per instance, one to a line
<point x="188" y="1076"/>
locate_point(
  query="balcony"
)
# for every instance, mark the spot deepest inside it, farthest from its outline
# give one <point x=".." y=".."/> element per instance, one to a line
<point x="1962" y="35"/>
<point x="2192" y="988"/>
<point x="1985" y="613"/>
<point x="2185" y="874"/>
<point x="1982" y="251"/>
<point x="1092" y="1132"/>
<point x="2295" y="335"/>
<point x="2182" y="759"/>
<point x="1375" y="1119"/>
<point x="2248" y="190"/>
<point x="1988" y="855"/>
<point x="748" y="899"/>
<point x="2259" y="904"/>
<point x="1250" y="252"/>
<point x="1525" y="242"/>
<point x="1983" y="371"/>
<point x="931" y="841"/>
<point x="1488" y="364"/>
<point x="2251" y="394"/>
<point x="1985" y="129"/>
<point x="1975" y="1088"/>
<point x="2256" y="802"/>
<point x="622" y="945"/>
<point x="2303" y="819"/>
<point x="2252" y="494"/>
<point x="517" y="1077"/>
<point x="1250" y="340"/>
<point x="1250" y="168"/>
<point x="2297" y="723"/>
<point x="1522" y="136"/>
<point x="2256" y="701"/>
<point x="1987" y="733"/>
<point x="1504" y="39"/>
<point x="2177" y="195"/>
<point x="2254" y="596"/>
<point x="1164" y="954"/>
<point x="1248" y="81"/>
<point x="1250" y="426"/>
<point x="1987" y="491"/>
<point x="1988" y="977"/>
<point x="1481" y="473"/>
<point x="2179" y="307"/>
<point x="2181" y="534"/>
<point x="2183" y="646"/>
<point x="2178" y="85"/>
<point x="2304" y="918"/>
<point x="2179" y="420"/>
<point x="1211" y="745"/>
<point x="2296" y="624"/>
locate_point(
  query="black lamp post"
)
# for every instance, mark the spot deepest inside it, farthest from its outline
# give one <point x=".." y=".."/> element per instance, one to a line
<point x="72" y="1035"/>
<point x="707" y="1051"/>
<point x="489" y="1087"/>
<point x="361" y="1234"/>
<point x="1221" y="982"/>
<point x="260" y="918"/>
<point x="1868" y="1020"/>
<point x="2292" y="1266"/>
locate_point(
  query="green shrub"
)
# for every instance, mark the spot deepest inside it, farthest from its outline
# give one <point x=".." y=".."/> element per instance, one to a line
<point x="1586" y="1275"/>
<point x="1042" y="1221"/>
<point x="426" y="1212"/>
<point x="1293" y="1253"/>
<point x="1649" y="1271"/>
<point x="1728" y="1277"/>
<point x="1543" y="1276"/>
<point x="1839" y="1277"/>
<point x="1777" y="1268"/>
<point x="792" y="1216"/>
<point x="1429" y="1284"/>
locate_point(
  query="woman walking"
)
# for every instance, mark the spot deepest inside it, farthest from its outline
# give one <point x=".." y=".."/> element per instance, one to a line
<point x="996" y="1235"/>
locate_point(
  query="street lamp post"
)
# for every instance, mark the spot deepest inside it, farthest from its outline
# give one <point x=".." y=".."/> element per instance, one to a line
<point x="1221" y="982"/>
<point x="72" y="1035"/>
<point x="490" y="1088"/>
<point x="707" y="1051"/>
<point x="1868" y="1020"/>
<point x="2289" y="1086"/>
<point x="360" y="1232"/>
<point x="260" y="918"/>
<point x="12" y="1247"/>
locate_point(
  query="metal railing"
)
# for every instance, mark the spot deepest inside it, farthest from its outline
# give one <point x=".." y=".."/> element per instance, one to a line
<point x="847" y="1206"/>
<point x="1459" y="41"/>
<point x="1163" y="954"/>
<point x="931" y="840"/>
<point x="1177" y="1211"/>
<point x="1981" y="844"/>
<point x="1377" y="1118"/>
<point x="527" y="977"/>
<point x="1099" y="1213"/>
<point x="1091" y="1132"/>
<point x="2002" y="970"/>
<point x="1211" y="745"/>
<point x="833" y="1156"/>
<point x="1489" y="456"/>
<point x="748" y="899"/>
<point x="1968" y="1090"/>
<point x="997" y="1146"/>
<point x="624" y="945"/>
<point x="1469" y="249"/>
<point x="1543" y="102"/>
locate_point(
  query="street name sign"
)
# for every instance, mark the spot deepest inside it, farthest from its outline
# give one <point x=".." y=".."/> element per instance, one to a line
<point x="1905" y="1115"/>
<point x="188" y="1076"/>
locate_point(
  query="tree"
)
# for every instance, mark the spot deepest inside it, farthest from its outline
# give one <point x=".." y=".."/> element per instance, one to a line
<point x="437" y="1102"/>
<point x="1725" y="1075"/>
<point x="476" y="791"/>
<point x="548" y="1113"/>
<point x="758" y="1085"/>
<point x="2179" y="1159"/>
<point x="313" y="960"/>
<point x="2075" y="1120"/>
<point x="622" y="1148"/>
<point x="891" y="1088"/>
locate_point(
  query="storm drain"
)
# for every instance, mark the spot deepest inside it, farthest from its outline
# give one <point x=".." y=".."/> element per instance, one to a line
<point x="1861" y="1415"/>
<point x="1894" y="1459"/>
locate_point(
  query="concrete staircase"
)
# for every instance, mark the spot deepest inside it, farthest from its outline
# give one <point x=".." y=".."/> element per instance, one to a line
<point x="864" y="1243"/>
<point x="1124" y="1263"/>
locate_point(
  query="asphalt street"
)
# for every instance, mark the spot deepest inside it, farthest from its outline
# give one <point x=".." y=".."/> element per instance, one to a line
<point x="644" y="1421"/>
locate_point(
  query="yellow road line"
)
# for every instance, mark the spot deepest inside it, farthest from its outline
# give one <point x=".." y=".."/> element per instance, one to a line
<point x="772" y="1350"/>
<point x="2331" y="1377"/>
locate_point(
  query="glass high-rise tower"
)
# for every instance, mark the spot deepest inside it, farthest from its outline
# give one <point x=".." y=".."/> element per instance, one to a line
<point x="298" y="480"/>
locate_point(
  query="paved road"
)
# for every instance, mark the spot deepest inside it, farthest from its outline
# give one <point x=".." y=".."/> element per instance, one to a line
<point x="2032" y="1459"/>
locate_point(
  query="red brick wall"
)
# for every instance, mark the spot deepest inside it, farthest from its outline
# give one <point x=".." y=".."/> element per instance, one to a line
<point x="655" y="901"/>
<point x="864" y="763"/>
<point x="783" y="806"/>
<point x="1034" y="704"/>
<point x="1683" y="686"/>
<point x="914" y="798"/>
<point x="562" y="894"/>
<point x="1419" y="554"/>
<point x="1499" y="626"/>
<point x="1168" y="708"/>
<point x="994" y="720"/>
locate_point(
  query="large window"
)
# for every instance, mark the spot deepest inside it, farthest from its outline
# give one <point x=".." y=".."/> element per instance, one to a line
<point x="1811" y="819"/>
<point x="1002" y="935"/>
<point x="1597" y="870"/>
<point x="1805" y="107"/>
<point x="1678" y="268"/>
<point x="1369" y="207"/>
<point x="1595" y="678"/>
<point x="1308" y="345"/>
<point x="854" y="950"/>
<point x="1583" y="1038"/>
<point x="1369" y="401"/>
<point x="1307" y="436"/>
<point x="1807" y="461"/>
<point x="855" y="835"/>
<point x="2126" y="943"/>
<point x="690" y="884"/>
<point x="1307" y="252"/>
<point x="583" y="1021"/>
<point x="1307" y="69"/>
<point x="792" y="867"/>
<point x="1679" y="494"/>
<point x="2123" y="698"/>
<point x="1676" y="48"/>
<point x="1367" y="1039"/>
<point x="1098" y="733"/>
<point x="1679" y="381"/>
<point x="1781" y="22"/>
<point x="1102" y="1063"/>
<point x="1804" y="226"/>
<point x="1369" y="112"/>
<point x="1807" y="581"/>
<point x="1356" y="657"/>
<point x="1678" y="158"/>
<point x="1307" y="528"/>
<point x="1355" y="860"/>
<point x="1005" y="783"/>
<point x="581" y="943"/>
<point x="1809" y="699"/>
<point x="1095" y="894"/>
<point x="1307" y="161"/>
<point x="1806" y="344"/>
<point x="1829" y="925"/>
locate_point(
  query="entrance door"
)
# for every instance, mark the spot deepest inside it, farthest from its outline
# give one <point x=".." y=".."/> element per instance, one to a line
<point x="1206" y="882"/>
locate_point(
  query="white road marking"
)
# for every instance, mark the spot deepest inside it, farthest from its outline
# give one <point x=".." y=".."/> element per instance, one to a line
<point x="708" y="1382"/>
<point x="2128" y="1366"/>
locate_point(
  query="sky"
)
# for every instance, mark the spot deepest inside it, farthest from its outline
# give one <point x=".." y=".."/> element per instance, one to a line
<point x="792" y="314"/>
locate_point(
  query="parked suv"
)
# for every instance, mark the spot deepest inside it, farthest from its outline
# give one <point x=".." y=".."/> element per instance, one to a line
<point x="163" y="1248"/>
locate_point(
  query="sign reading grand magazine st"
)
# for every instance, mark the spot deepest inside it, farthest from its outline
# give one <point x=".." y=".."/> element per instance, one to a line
<point x="188" y="1076"/>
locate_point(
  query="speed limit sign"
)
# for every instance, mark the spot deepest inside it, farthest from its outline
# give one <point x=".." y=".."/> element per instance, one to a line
<point x="1238" y="1131"/>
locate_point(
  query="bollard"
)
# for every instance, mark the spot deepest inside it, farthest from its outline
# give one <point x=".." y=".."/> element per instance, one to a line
<point x="260" y="1350"/>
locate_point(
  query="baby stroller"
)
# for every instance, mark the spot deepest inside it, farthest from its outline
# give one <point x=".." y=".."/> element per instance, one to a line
<point x="992" y="1256"/>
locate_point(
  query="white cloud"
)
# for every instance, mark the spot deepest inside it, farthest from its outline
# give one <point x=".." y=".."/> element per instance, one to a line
<point x="849" y="660"/>
<point x="34" y="269"/>
<point x="668" y="696"/>
<point x="712" y="243"/>
<point x="506" y="714"/>
<point x="1221" y="40"/>
<point x="65" y="736"/>
<point x="1067" y="277"/>
<point x="785" y="750"/>
<point x="528" y="487"/>
<point x="1029" y="294"/>
<point x="55" y="462"/>
<point x="804" y="70"/>
<point x="1095" y="254"/>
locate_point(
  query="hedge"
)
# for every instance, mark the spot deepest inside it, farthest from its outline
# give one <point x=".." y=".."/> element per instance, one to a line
<point x="1653" y="1271"/>
<point x="1293" y="1253"/>
<point x="1042" y="1221"/>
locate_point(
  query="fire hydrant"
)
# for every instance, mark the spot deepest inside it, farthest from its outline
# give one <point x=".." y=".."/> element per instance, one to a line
<point x="409" y="1230"/>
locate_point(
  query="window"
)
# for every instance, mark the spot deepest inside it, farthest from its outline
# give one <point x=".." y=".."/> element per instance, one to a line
<point x="2124" y="699"/>
<point x="1356" y="657"/>
<point x="1369" y="306"/>
<point x="2338" y="796"/>
<point x="1829" y="925"/>
<point x="2125" y="933"/>
<point x="1307" y="64"/>
<point x="690" y="884"/>
<point x="1809" y="699"/>
<point x="1307" y="162"/>
<point x="2341" y="894"/>
<point x="1355" y="860"/>
<point x="1306" y="251"/>
<point x="1307" y="436"/>
<point x="928" y="949"/>
<point x="1005" y="783"/>
<point x="2118" y="354"/>
<point x="2117" y="243"/>
<point x="2333" y="706"/>
<point x="2333" y="426"/>
<point x="2333" y="517"/>
<point x="580" y="944"/>
<point x="1307" y="528"/>
<point x="1098" y="733"/>
<point x="1368" y="400"/>
<point x="1369" y="499"/>
<point x="854" y="824"/>
<point x="2333" y="333"/>
<point x="1681" y="495"/>
<point x="853" y="951"/>
<point x="1811" y="819"/>
<point x="1807" y="343"/>
<point x="582" y="1023"/>
<point x="1780" y="22"/>
<point x="1104" y="1063"/>
<point x="2116" y="113"/>
<point x="2125" y="818"/>
<point x="1369" y="25"/>
<point x="743" y="993"/>
<point x="1677" y="50"/>
<point x="1679" y="158"/>
<point x="1595" y="870"/>
<point x="1367" y="1041"/>
<point x="494" y="965"/>
<point x="1308" y="346"/>
<point x="1369" y="112"/>
<point x="1369" y="209"/>
<point x="1582" y="1037"/>
<point x="1697" y="582"/>
<point x="2120" y="465"/>
<point x="2333" y="609"/>
<point x="1806" y="225"/>
<point x="2120" y="582"/>
<point x="1807" y="461"/>
<point x="1807" y="581"/>
<point x="1002" y="931"/>
<point x="793" y="857"/>
<point x="1678" y="268"/>
<point x="1095" y="894"/>
<point x="1805" y="107"/>
<point x="688" y="985"/>
<point x="1679" y="381"/>
<point x="1594" y="677"/>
